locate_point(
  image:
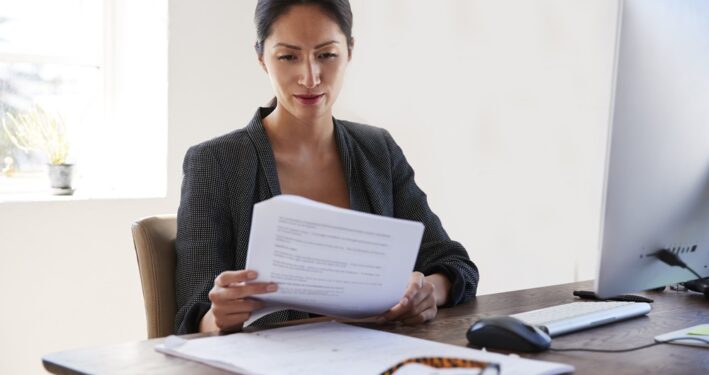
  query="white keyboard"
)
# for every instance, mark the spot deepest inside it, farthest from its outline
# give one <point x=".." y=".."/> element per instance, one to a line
<point x="560" y="319"/>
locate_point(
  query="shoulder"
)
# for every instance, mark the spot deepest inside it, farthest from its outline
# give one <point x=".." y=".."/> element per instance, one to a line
<point x="229" y="154"/>
<point x="223" y="142"/>
<point x="367" y="136"/>
<point x="228" y="149"/>
<point x="362" y="131"/>
<point x="239" y="144"/>
<point x="377" y="143"/>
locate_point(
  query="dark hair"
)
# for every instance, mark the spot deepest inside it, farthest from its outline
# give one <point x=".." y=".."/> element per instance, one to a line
<point x="267" y="11"/>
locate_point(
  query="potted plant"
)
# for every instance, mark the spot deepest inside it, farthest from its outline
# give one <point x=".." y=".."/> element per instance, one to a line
<point x="44" y="132"/>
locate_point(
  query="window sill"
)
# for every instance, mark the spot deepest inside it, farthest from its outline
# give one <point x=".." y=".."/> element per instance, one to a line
<point x="33" y="188"/>
<point x="77" y="196"/>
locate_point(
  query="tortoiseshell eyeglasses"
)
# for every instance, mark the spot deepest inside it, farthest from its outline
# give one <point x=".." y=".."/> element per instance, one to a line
<point x="486" y="368"/>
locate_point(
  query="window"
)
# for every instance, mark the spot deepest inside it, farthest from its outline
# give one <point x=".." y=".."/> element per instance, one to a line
<point x="101" y="65"/>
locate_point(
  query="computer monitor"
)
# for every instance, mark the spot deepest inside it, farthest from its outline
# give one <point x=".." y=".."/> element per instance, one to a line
<point x="657" y="165"/>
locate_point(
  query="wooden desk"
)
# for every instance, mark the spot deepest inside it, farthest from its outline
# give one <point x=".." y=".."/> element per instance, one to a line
<point x="671" y="311"/>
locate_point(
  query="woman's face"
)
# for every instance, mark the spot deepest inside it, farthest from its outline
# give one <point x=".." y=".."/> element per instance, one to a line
<point x="305" y="57"/>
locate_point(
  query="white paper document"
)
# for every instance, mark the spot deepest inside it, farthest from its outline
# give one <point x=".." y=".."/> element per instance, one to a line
<point x="329" y="260"/>
<point x="335" y="348"/>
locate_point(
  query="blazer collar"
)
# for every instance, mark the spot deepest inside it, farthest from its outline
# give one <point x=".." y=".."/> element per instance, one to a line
<point x="258" y="136"/>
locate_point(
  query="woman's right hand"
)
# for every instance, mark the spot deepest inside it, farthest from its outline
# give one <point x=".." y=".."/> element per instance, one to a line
<point x="231" y="305"/>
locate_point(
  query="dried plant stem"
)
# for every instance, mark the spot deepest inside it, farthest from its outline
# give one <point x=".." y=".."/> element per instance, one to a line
<point x="38" y="130"/>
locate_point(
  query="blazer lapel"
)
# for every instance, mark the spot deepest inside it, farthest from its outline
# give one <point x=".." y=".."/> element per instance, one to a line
<point x="257" y="133"/>
<point x="358" y="198"/>
<point x="258" y="136"/>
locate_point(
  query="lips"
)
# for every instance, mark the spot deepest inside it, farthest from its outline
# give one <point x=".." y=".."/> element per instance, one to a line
<point x="309" y="99"/>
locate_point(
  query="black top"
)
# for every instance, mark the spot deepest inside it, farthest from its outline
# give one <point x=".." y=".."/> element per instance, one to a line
<point x="225" y="176"/>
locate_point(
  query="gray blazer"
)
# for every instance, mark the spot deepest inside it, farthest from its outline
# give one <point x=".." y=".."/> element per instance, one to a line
<point x="225" y="176"/>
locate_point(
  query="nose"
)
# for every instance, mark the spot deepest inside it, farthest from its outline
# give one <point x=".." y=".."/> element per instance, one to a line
<point x="310" y="77"/>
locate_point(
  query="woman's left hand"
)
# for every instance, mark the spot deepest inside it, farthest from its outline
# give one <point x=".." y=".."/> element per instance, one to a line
<point x="418" y="304"/>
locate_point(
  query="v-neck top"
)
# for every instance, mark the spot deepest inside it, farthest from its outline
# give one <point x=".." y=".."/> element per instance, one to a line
<point x="224" y="177"/>
<point x="257" y="132"/>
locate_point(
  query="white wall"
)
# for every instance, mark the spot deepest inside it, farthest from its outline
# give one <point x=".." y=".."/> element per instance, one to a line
<point x="500" y="106"/>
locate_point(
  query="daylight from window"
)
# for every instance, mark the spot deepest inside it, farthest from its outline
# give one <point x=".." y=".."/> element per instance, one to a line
<point x="50" y="61"/>
<point x="69" y="71"/>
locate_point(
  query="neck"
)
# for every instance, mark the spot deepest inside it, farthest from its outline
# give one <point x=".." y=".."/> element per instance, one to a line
<point x="288" y="133"/>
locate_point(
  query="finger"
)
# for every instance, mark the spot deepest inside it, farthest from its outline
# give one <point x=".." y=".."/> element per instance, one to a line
<point x="422" y="317"/>
<point x="413" y="292"/>
<point x="410" y="293"/>
<point x="424" y="293"/>
<point x="231" y="322"/>
<point x="422" y="306"/>
<point x="234" y="277"/>
<point x="219" y="294"/>
<point x="415" y="283"/>
<point x="251" y="305"/>
<point x="247" y="305"/>
<point x="397" y="311"/>
<point x="406" y="303"/>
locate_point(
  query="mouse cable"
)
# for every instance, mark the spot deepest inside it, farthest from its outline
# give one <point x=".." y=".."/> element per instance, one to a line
<point x="628" y="349"/>
<point x="674" y="260"/>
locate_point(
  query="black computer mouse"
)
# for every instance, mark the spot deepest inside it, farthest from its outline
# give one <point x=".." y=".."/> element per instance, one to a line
<point x="509" y="334"/>
<point x="699" y="286"/>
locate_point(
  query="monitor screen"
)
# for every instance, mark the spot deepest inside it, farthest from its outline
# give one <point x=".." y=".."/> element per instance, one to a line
<point x="657" y="169"/>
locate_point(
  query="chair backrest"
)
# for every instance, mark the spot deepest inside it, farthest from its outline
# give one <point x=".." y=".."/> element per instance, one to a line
<point x="154" y="240"/>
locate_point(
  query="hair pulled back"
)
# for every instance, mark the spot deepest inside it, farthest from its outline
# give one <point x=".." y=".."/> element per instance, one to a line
<point x="267" y="11"/>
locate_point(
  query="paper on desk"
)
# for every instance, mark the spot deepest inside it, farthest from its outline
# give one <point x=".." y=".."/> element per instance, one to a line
<point x="334" y="348"/>
<point x="693" y="336"/>
<point x="328" y="260"/>
<point x="700" y="330"/>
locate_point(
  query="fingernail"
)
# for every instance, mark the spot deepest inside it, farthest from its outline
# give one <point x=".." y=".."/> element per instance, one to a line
<point x="251" y="275"/>
<point x="272" y="287"/>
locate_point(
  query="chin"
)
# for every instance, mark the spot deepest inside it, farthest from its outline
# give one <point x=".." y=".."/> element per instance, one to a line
<point x="310" y="112"/>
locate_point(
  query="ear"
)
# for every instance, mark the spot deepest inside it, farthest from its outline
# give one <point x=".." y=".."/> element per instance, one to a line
<point x="350" y="47"/>
<point x="263" y="65"/>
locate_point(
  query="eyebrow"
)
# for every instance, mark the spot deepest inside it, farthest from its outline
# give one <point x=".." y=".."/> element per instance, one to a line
<point x="321" y="45"/>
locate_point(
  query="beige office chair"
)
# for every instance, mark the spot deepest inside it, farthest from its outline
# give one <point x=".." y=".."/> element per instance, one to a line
<point x="154" y="240"/>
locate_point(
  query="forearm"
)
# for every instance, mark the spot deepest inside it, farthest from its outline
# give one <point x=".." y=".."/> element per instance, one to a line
<point x="441" y="287"/>
<point x="207" y="324"/>
<point x="453" y="262"/>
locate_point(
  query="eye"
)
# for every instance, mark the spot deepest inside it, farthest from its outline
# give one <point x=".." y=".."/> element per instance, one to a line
<point x="327" y="55"/>
<point x="287" y="58"/>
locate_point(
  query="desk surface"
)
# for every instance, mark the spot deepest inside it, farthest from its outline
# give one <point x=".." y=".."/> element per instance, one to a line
<point x="671" y="311"/>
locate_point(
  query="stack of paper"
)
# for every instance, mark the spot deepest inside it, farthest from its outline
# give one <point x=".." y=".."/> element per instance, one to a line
<point x="329" y="260"/>
<point x="335" y="348"/>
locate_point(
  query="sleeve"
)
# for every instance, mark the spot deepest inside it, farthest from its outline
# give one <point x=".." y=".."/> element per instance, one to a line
<point x="438" y="253"/>
<point x="204" y="243"/>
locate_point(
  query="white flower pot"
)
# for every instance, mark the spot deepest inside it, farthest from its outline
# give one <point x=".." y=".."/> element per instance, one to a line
<point x="60" y="176"/>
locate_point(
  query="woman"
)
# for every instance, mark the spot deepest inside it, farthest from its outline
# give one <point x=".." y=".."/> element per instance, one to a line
<point x="297" y="147"/>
